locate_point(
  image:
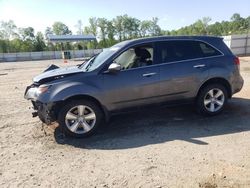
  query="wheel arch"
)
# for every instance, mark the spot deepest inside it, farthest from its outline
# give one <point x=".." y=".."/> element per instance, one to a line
<point x="81" y="97"/>
<point x="217" y="80"/>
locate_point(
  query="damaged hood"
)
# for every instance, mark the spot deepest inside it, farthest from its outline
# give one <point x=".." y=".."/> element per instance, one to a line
<point x="56" y="73"/>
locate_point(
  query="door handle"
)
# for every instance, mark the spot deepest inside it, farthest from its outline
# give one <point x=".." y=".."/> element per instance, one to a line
<point x="149" y="74"/>
<point x="199" y="66"/>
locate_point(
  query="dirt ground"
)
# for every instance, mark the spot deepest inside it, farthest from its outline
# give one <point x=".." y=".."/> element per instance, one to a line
<point x="167" y="147"/>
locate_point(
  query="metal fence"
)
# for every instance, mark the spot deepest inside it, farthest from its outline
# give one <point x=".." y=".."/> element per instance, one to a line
<point x="239" y="44"/>
<point x="45" y="55"/>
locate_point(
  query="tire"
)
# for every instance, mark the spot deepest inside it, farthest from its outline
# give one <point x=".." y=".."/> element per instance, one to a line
<point x="80" y="118"/>
<point x="211" y="99"/>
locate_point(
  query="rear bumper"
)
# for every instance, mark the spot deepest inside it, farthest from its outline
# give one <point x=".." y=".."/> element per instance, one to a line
<point x="237" y="85"/>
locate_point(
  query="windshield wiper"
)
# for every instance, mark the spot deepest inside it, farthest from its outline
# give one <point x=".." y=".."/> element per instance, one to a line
<point x="89" y="64"/>
<point x="86" y="61"/>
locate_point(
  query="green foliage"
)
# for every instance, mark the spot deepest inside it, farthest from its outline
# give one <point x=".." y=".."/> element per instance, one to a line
<point x="27" y="33"/>
<point x="118" y="24"/>
<point x="237" y="25"/>
<point x="60" y="28"/>
<point x="93" y="25"/>
<point x="102" y="24"/>
<point x="3" y="46"/>
<point x="39" y="43"/>
<point x="48" y="31"/>
<point x="109" y="32"/>
<point x="155" y="28"/>
<point x="8" y="30"/>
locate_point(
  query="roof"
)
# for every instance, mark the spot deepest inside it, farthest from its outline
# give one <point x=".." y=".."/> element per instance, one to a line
<point x="70" y="38"/>
<point x="164" y="38"/>
<point x="205" y="37"/>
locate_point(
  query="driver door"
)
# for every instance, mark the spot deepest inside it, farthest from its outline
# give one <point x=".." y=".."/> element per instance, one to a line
<point x="133" y="85"/>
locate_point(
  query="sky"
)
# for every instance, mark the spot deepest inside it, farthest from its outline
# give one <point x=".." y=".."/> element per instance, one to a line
<point x="172" y="14"/>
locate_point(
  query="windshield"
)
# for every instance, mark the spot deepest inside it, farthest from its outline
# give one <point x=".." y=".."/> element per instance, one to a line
<point x="99" y="59"/>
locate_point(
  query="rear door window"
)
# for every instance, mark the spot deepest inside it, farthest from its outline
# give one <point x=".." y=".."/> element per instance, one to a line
<point x="179" y="50"/>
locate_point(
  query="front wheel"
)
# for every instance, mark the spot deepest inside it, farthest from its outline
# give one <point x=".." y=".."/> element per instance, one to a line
<point x="80" y="118"/>
<point x="212" y="99"/>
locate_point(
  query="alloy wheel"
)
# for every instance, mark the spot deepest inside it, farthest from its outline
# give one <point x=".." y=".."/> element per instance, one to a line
<point x="80" y="119"/>
<point x="214" y="100"/>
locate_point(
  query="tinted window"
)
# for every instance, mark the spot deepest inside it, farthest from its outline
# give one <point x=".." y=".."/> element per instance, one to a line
<point x="170" y="51"/>
<point x="208" y="50"/>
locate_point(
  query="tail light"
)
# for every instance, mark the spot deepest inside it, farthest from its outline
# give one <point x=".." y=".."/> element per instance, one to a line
<point x="237" y="61"/>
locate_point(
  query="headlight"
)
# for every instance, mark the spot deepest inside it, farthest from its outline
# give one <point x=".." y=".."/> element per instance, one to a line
<point x="43" y="88"/>
<point x="33" y="93"/>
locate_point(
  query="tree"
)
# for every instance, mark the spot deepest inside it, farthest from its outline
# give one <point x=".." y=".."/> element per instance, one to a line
<point x="48" y="31"/>
<point x="3" y="46"/>
<point x="127" y="27"/>
<point x="216" y="29"/>
<point x="155" y="30"/>
<point x="87" y="30"/>
<point x="13" y="39"/>
<point x="118" y="24"/>
<point x="8" y="30"/>
<point x="205" y="21"/>
<point x="93" y="24"/>
<point x="247" y="20"/>
<point x="135" y="26"/>
<point x="236" y="17"/>
<point x="18" y="45"/>
<point x="60" y="28"/>
<point x="111" y="33"/>
<point x="79" y="27"/>
<point x="102" y="24"/>
<point x="39" y="43"/>
<point x="145" y="28"/>
<point x="200" y="27"/>
<point x="49" y="45"/>
<point x="27" y="33"/>
<point x="238" y="23"/>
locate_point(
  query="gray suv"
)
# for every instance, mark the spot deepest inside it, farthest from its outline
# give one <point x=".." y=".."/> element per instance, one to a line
<point x="135" y="73"/>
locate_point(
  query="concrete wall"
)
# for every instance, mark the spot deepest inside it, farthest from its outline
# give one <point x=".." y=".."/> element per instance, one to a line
<point x="239" y="44"/>
<point x="29" y="56"/>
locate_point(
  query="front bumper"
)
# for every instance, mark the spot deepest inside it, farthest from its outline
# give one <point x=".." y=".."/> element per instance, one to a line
<point x="45" y="111"/>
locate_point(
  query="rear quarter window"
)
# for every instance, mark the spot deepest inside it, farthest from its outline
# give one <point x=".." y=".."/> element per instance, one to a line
<point x="208" y="50"/>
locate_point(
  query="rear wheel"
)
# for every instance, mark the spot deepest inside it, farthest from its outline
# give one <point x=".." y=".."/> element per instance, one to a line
<point x="212" y="99"/>
<point x="80" y="118"/>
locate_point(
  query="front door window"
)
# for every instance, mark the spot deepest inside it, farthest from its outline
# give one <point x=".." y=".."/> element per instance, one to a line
<point x="139" y="56"/>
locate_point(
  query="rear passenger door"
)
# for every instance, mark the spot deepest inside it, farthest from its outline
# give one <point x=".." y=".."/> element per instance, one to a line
<point x="183" y="67"/>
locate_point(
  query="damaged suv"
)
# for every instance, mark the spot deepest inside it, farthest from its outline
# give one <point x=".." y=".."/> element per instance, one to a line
<point x="159" y="70"/>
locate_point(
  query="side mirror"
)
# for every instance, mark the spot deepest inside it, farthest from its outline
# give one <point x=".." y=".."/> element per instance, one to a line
<point x="114" y="68"/>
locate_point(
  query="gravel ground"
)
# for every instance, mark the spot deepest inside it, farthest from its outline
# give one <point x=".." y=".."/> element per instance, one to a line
<point x="166" y="147"/>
